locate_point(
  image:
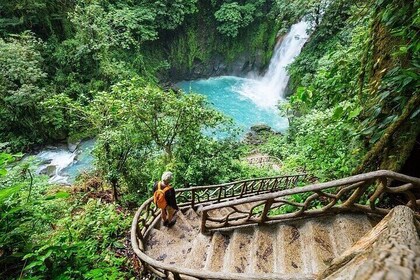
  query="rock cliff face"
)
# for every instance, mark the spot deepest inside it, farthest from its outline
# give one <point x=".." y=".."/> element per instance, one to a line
<point x="245" y="63"/>
<point x="244" y="59"/>
<point x="198" y="50"/>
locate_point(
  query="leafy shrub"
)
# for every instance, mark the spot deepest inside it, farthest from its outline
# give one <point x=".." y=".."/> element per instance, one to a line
<point x="47" y="232"/>
<point x="22" y="83"/>
<point x="232" y="16"/>
<point x="83" y="244"/>
<point x="320" y="143"/>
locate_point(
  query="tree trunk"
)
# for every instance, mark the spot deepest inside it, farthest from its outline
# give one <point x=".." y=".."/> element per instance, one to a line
<point x="374" y="157"/>
<point x="114" y="184"/>
<point x="168" y="154"/>
<point x="391" y="250"/>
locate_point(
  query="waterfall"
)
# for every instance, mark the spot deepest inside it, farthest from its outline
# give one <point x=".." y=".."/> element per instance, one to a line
<point x="268" y="90"/>
<point x="253" y="100"/>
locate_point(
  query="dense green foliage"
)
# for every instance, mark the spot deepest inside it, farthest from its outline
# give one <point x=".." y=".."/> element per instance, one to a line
<point x="76" y="48"/>
<point x="222" y="33"/>
<point x="355" y="101"/>
<point x="21" y="86"/>
<point x="147" y="130"/>
<point x="90" y="68"/>
<point x="79" y="69"/>
<point x="50" y="232"/>
<point x="232" y="16"/>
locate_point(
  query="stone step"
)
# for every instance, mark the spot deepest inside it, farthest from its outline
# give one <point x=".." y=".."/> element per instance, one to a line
<point x="219" y="213"/>
<point x="289" y="250"/>
<point x="166" y="248"/>
<point x="292" y="250"/>
<point x="238" y="254"/>
<point x="191" y="226"/>
<point x="264" y="250"/>
<point x="193" y="218"/>
<point x="323" y="245"/>
<point x="181" y="229"/>
<point x="347" y="229"/>
<point x="217" y="251"/>
<point x="307" y="245"/>
<point x="197" y="256"/>
<point x="230" y="211"/>
<point x="243" y="207"/>
<point x="356" y="226"/>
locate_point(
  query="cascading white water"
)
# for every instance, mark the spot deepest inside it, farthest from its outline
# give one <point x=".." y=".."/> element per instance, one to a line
<point x="63" y="165"/>
<point x="268" y="90"/>
<point x="59" y="160"/>
<point x="253" y="100"/>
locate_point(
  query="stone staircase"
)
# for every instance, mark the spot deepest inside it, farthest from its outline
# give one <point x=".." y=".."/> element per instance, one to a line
<point x="248" y="235"/>
<point x="299" y="249"/>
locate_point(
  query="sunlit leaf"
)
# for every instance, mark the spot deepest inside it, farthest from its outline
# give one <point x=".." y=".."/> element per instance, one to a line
<point x="338" y="112"/>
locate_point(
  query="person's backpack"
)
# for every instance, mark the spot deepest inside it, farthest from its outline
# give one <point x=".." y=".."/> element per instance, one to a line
<point x="159" y="196"/>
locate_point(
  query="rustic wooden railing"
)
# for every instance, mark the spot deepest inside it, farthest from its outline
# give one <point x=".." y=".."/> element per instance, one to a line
<point x="195" y="196"/>
<point x="359" y="193"/>
<point x="269" y="197"/>
<point x="147" y="215"/>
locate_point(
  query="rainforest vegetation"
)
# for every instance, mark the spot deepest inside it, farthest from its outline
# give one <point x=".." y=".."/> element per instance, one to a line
<point x="79" y="69"/>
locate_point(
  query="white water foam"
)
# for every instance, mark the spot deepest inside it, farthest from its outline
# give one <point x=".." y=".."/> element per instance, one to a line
<point x="59" y="158"/>
<point x="268" y="90"/>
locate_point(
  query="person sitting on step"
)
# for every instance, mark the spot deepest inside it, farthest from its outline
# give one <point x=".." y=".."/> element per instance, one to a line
<point x="164" y="198"/>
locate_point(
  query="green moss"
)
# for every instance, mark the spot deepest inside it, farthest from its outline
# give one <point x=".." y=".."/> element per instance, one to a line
<point x="199" y="41"/>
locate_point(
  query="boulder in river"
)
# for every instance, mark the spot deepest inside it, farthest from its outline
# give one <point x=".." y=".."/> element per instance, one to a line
<point x="72" y="145"/>
<point x="259" y="128"/>
<point x="252" y="138"/>
<point x="49" y="170"/>
<point x="45" y="161"/>
<point x="258" y="134"/>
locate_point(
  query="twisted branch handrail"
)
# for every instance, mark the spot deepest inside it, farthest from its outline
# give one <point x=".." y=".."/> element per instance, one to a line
<point x="147" y="215"/>
<point x="313" y="200"/>
<point x="267" y="195"/>
<point x="192" y="197"/>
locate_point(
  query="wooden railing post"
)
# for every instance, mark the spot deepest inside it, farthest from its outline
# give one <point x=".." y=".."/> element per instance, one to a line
<point x="220" y="194"/>
<point x="203" y="222"/>
<point x="262" y="182"/>
<point x="267" y="206"/>
<point x="192" y="198"/>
